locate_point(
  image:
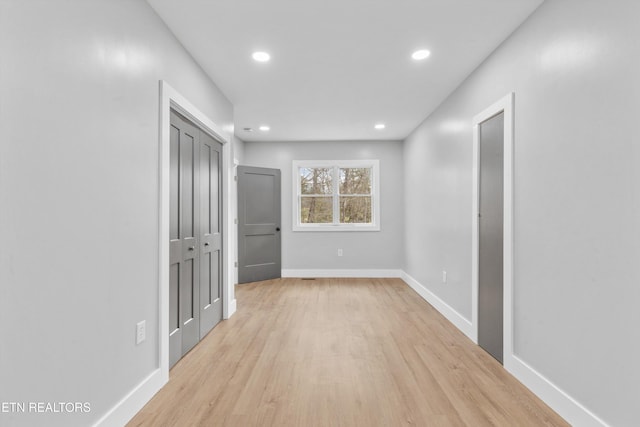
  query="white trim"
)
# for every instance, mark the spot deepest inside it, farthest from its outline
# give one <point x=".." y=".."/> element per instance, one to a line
<point x="129" y="406"/>
<point x="552" y="395"/>
<point x="364" y="273"/>
<point x="335" y="227"/>
<point x="232" y="309"/>
<point x="566" y="406"/>
<point x="506" y="105"/>
<point x="171" y="99"/>
<point x="375" y="195"/>
<point x="445" y="309"/>
<point x="228" y="227"/>
<point x="234" y="216"/>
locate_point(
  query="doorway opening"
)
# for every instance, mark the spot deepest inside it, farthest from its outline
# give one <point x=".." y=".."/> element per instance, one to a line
<point x="492" y="229"/>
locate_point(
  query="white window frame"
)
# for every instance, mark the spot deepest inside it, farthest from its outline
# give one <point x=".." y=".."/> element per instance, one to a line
<point x="337" y="164"/>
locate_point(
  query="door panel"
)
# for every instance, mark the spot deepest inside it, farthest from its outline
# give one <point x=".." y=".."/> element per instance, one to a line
<point x="174" y="184"/>
<point x="259" y="253"/>
<point x="195" y="271"/>
<point x="259" y="190"/>
<point x="175" y="330"/>
<point x="210" y="236"/>
<point x="259" y="248"/>
<point x="189" y="216"/>
<point x="174" y="274"/>
<point x="175" y="243"/>
<point x="491" y="226"/>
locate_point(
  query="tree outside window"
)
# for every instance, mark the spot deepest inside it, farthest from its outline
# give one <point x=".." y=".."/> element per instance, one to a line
<point x="336" y="195"/>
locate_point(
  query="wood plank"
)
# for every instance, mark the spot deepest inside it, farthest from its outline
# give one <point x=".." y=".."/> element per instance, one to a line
<point x="340" y="352"/>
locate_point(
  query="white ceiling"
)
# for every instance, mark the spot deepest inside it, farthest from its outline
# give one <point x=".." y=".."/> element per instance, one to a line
<point x="339" y="66"/>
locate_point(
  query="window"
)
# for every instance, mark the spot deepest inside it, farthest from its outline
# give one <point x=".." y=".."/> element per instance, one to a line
<point x="337" y="195"/>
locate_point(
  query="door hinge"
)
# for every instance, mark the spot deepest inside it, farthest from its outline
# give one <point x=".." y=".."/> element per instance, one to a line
<point x="235" y="264"/>
<point x="235" y="221"/>
<point x="235" y="178"/>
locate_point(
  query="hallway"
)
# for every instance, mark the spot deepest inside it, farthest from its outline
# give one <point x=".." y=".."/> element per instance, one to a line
<point x="339" y="352"/>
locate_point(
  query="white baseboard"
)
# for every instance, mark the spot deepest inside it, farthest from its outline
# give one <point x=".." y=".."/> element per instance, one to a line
<point x="135" y="400"/>
<point x="131" y="404"/>
<point x="445" y="309"/>
<point x="231" y="309"/>
<point x="566" y="406"/>
<point x="342" y="273"/>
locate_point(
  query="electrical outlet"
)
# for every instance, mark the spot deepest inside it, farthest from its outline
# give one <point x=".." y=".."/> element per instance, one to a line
<point x="444" y="276"/>
<point x="141" y="330"/>
<point x="339" y="252"/>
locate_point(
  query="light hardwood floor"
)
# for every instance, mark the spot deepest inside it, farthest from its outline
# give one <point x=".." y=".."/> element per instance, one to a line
<point x="340" y="352"/>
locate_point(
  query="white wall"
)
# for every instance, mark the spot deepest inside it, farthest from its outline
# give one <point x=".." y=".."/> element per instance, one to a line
<point x="574" y="68"/>
<point x="318" y="250"/>
<point x="79" y="197"/>
<point x="238" y="149"/>
<point x="238" y="155"/>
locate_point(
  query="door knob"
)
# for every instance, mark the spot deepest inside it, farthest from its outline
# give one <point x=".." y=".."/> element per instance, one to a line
<point x="277" y="228"/>
<point x="191" y="248"/>
<point x="206" y="244"/>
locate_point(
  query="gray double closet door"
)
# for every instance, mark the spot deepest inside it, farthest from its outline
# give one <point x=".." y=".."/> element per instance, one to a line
<point x="195" y="270"/>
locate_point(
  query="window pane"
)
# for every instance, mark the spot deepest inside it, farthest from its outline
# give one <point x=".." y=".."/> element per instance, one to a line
<point x="316" y="180"/>
<point x="355" y="210"/>
<point x="316" y="210"/>
<point x="355" y="180"/>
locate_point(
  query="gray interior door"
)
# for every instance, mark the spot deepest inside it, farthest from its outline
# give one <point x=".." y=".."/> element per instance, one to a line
<point x="491" y="226"/>
<point x="259" y="255"/>
<point x="210" y="233"/>
<point x="195" y="302"/>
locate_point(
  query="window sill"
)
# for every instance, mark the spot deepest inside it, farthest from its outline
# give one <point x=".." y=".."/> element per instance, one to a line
<point x="332" y="228"/>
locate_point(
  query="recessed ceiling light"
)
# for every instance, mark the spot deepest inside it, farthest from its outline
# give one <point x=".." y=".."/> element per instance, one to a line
<point x="264" y="128"/>
<point x="380" y="126"/>
<point x="247" y="129"/>
<point x="261" y="56"/>
<point x="421" y="54"/>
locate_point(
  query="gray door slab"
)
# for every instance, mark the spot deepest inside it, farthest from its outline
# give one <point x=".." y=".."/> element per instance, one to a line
<point x="259" y="235"/>
<point x="210" y="233"/>
<point x="491" y="227"/>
